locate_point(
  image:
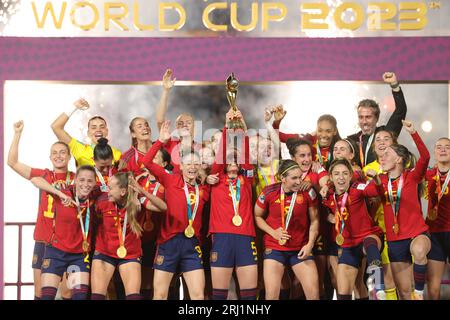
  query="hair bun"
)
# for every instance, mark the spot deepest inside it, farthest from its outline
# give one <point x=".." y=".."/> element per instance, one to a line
<point x="102" y="141"/>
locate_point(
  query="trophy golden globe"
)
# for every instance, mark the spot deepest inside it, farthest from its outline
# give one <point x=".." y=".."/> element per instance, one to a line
<point x="232" y="86"/>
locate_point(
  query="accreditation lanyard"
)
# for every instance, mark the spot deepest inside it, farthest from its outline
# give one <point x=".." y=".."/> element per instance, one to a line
<point x="235" y="195"/>
<point x="395" y="206"/>
<point x="285" y="225"/>
<point x="121" y="231"/>
<point x="104" y="187"/>
<point x="85" y="226"/>
<point x="191" y="215"/>
<point x="441" y="189"/>
<point x="340" y="214"/>
<point x="363" y="155"/>
<point x="319" y="154"/>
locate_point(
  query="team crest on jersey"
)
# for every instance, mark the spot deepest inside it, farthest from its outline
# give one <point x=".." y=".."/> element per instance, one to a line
<point x="312" y="194"/>
<point x="35" y="258"/>
<point x="262" y="198"/>
<point x="159" y="260"/>
<point x="161" y="189"/>
<point x="307" y="179"/>
<point x="46" y="263"/>
<point x="214" y="256"/>
<point x="299" y="199"/>
<point x="267" y="251"/>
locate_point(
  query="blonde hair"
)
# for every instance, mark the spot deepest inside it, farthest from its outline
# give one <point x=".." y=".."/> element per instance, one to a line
<point x="131" y="207"/>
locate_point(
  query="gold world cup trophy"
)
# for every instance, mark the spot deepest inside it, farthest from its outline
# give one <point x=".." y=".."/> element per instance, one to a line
<point x="232" y="86"/>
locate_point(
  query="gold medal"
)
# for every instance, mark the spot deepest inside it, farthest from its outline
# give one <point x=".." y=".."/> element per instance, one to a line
<point x="282" y="242"/>
<point x="148" y="226"/>
<point x="237" y="220"/>
<point x="85" y="246"/>
<point x="395" y="228"/>
<point x="432" y="214"/>
<point x="121" y="252"/>
<point x="339" y="239"/>
<point x="189" y="232"/>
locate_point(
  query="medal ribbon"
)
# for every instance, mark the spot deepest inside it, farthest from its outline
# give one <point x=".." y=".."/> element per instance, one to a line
<point x="441" y="190"/>
<point x="191" y="215"/>
<point x="68" y="180"/>
<point x="85" y="227"/>
<point x="285" y="225"/>
<point x="121" y="231"/>
<point x="339" y="213"/>
<point x="395" y="207"/>
<point x="319" y="154"/>
<point x="235" y="196"/>
<point x="100" y="177"/>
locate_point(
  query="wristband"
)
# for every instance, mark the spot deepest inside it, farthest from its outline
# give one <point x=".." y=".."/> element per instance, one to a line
<point x="70" y="110"/>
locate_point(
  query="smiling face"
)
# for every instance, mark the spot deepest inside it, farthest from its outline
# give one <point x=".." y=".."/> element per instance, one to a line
<point x="367" y="120"/>
<point x="291" y="182"/>
<point x="97" y="129"/>
<point x="303" y="157"/>
<point x="190" y="165"/>
<point x="325" y="133"/>
<point x="84" y="183"/>
<point x="59" y="156"/>
<point x="115" y="193"/>
<point x="207" y="157"/>
<point x="341" y="177"/>
<point x="342" y="150"/>
<point x="442" y="151"/>
<point x="390" y="159"/>
<point x="141" y="130"/>
<point x="382" y="141"/>
<point x="185" y="125"/>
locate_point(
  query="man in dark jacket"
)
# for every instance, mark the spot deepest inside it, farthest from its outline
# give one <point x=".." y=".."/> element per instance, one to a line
<point x="368" y="115"/>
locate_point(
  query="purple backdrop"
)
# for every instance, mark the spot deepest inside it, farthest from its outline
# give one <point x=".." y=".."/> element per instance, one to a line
<point x="212" y="59"/>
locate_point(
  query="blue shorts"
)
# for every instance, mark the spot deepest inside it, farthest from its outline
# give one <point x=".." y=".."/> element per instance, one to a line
<point x="320" y="246"/>
<point x="38" y="255"/>
<point x="113" y="261"/>
<point x="148" y="254"/>
<point x="399" y="251"/>
<point x="351" y="256"/>
<point x="233" y="250"/>
<point x="440" y="246"/>
<point x="179" y="254"/>
<point x="57" y="262"/>
<point x="332" y="249"/>
<point x="286" y="258"/>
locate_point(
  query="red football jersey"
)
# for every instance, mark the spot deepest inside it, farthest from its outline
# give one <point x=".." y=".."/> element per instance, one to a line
<point x="175" y="219"/>
<point x="107" y="240"/>
<point x="133" y="158"/>
<point x="173" y="147"/>
<point x="410" y="219"/>
<point x="270" y="200"/>
<point x="222" y="209"/>
<point x="357" y="222"/>
<point x="67" y="234"/>
<point x="442" y="222"/>
<point x="46" y="209"/>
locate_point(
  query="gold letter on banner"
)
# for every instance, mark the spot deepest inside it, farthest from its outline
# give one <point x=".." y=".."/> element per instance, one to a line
<point x="117" y="16"/>
<point x="210" y="8"/>
<point x="85" y="27"/>
<point x="359" y="16"/>
<point x="418" y="15"/>
<point x="307" y="18"/>
<point x="168" y="6"/>
<point x="49" y="7"/>
<point x="380" y="14"/>
<point x="137" y="24"/>
<point x="266" y="17"/>
<point x="234" y="20"/>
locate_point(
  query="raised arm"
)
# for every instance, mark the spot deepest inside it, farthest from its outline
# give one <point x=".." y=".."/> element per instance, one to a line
<point x="272" y="132"/>
<point x="60" y="122"/>
<point x="159" y="172"/>
<point x="154" y="203"/>
<point x="279" y="114"/>
<point x="424" y="156"/>
<point x="394" y="123"/>
<point x="161" y="110"/>
<point x="13" y="154"/>
<point x="220" y="157"/>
